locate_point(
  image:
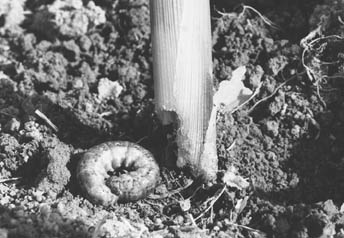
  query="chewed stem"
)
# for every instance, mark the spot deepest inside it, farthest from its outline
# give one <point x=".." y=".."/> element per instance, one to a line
<point x="181" y="40"/>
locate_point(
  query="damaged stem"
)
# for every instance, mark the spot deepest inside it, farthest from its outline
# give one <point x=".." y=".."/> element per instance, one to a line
<point x="181" y="40"/>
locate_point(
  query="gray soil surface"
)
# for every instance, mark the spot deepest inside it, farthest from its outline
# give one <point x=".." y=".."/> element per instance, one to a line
<point x="87" y="67"/>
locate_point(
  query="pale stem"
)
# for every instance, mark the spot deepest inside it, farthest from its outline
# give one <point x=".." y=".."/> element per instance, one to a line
<point x="182" y="69"/>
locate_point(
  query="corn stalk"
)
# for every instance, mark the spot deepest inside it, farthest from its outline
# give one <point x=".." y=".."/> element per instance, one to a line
<point x="182" y="67"/>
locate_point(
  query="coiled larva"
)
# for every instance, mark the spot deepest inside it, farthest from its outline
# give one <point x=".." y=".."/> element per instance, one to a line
<point x="95" y="166"/>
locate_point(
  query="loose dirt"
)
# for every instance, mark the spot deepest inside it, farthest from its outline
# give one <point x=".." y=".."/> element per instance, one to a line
<point x="87" y="67"/>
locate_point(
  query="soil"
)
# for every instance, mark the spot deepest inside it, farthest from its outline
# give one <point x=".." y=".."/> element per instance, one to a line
<point x="87" y="67"/>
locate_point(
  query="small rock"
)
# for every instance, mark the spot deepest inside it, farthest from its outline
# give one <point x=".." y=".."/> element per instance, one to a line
<point x="108" y="88"/>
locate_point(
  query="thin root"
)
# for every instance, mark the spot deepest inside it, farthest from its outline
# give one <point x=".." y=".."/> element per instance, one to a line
<point x="308" y="44"/>
<point x="192" y="220"/>
<point x="252" y="96"/>
<point x="265" y="19"/>
<point x="246" y="7"/>
<point x="320" y="97"/>
<point x="212" y="202"/>
<point x="274" y="92"/>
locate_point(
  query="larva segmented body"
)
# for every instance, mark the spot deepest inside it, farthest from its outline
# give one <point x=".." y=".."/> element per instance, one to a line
<point x="101" y="188"/>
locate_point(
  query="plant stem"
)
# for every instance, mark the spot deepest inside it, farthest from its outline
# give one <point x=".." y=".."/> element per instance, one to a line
<point x="181" y="40"/>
